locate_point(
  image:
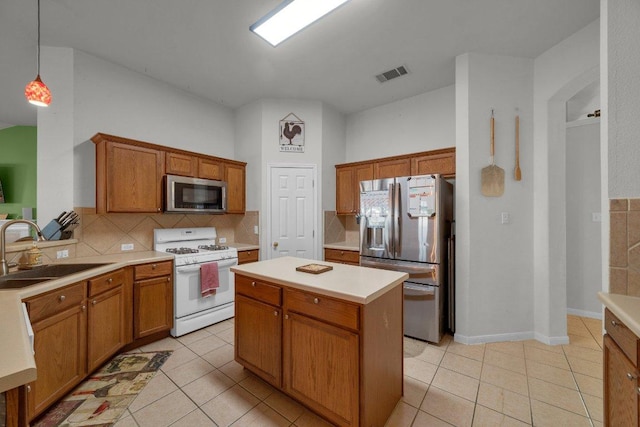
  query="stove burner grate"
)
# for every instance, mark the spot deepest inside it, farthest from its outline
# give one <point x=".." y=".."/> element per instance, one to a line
<point x="213" y="247"/>
<point x="182" y="251"/>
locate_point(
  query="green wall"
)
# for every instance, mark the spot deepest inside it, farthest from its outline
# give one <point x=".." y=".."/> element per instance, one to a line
<point x="18" y="169"/>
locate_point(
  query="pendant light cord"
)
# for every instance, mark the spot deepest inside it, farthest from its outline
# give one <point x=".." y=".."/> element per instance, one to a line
<point x="38" y="37"/>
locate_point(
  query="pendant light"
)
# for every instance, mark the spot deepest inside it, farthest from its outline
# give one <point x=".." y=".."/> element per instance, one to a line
<point x="36" y="92"/>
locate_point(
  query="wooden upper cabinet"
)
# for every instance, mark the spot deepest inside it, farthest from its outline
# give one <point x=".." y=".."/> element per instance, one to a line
<point x="443" y="163"/>
<point x="348" y="186"/>
<point x="180" y="164"/>
<point x="210" y="168"/>
<point x="128" y="177"/>
<point x="236" y="193"/>
<point x="129" y="174"/>
<point x="349" y="175"/>
<point x="392" y="168"/>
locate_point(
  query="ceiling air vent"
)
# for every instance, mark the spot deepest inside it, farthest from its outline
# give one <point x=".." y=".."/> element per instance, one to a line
<point x="392" y="74"/>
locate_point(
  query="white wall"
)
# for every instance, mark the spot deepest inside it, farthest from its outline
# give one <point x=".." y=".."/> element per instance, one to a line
<point x="559" y="74"/>
<point x="333" y="153"/>
<point x="248" y="125"/>
<point x="105" y="97"/>
<point x="494" y="269"/>
<point x="584" y="265"/>
<point x="420" y="123"/>
<point x="56" y="180"/>
<point x="621" y="35"/>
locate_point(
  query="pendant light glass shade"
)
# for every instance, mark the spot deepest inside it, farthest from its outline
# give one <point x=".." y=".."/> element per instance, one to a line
<point x="36" y="92"/>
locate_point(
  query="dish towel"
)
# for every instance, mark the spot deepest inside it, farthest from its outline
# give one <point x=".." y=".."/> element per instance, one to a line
<point x="209" y="281"/>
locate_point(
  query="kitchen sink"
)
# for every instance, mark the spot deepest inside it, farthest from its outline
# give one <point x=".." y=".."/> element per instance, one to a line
<point x="36" y="275"/>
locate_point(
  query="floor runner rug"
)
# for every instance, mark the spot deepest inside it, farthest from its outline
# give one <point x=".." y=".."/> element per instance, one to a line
<point x="102" y="398"/>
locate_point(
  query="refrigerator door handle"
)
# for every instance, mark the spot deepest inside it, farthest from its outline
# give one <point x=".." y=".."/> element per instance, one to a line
<point x="396" y="219"/>
<point x="417" y="290"/>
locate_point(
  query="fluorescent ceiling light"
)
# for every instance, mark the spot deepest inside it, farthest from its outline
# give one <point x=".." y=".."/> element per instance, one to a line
<point x="292" y="16"/>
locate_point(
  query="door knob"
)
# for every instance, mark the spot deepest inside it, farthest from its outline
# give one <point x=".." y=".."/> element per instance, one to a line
<point x="275" y="245"/>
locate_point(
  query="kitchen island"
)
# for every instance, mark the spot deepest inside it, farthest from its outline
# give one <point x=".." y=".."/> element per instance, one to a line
<point x="332" y="340"/>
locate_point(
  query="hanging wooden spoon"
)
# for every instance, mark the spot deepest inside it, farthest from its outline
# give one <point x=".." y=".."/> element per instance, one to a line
<point x="517" y="172"/>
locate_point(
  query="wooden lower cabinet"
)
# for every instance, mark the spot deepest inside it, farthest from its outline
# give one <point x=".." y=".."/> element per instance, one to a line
<point x="340" y="359"/>
<point x="152" y="298"/>
<point x="247" y="256"/>
<point x="109" y="320"/>
<point x="59" y="321"/>
<point x="264" y="323"/>
<point x="153" y="306"/>
<point x="342" y="256"/>
<point x="332" y="386"/>
<point x="621" y="384"/>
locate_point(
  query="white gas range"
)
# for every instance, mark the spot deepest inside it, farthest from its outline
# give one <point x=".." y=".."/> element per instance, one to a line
<point x="193" y="247"/>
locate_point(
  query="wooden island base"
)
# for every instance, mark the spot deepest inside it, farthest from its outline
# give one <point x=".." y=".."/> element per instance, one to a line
<point x="340" y="356"/>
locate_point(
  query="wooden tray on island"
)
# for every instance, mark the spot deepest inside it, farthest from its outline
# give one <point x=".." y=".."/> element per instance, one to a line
<point x="314" y="268"/>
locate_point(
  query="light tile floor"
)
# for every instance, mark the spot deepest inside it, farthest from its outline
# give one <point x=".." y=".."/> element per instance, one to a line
<point x="498" y="384"/>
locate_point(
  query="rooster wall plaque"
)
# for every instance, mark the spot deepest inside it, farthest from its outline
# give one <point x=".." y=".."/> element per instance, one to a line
<point x="292" y="134"/>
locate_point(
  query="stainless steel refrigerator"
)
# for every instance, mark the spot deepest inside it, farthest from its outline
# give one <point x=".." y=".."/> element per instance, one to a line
<point x="405" y="225"/>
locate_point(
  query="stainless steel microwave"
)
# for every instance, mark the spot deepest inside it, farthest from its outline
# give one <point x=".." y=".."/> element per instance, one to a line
<point x="194" y="195"/>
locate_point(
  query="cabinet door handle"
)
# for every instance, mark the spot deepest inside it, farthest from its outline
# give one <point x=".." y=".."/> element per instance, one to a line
<point x="94" y="302"/>
<point x="275" y="313"/>
<point x="630" y="376"/>
<point x="28" y="389"/>
<point x="638" y="390"/>
<point x="168" y="279"/>
<point x="286" y="316"/>
<point x="83" y="308"/>
<point x="62" y="298"/>
<point x="316" y="301"/>
<point x="153" y="266"/>
<point x="253" y="284"/>
<point x="110" y="280"/>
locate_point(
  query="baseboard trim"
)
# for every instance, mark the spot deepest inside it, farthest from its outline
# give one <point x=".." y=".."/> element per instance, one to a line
<point x="516" y="336"/>
<point x="584" y="313"/>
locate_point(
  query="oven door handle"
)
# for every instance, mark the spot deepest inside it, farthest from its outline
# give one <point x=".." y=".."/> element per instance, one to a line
<point x="223" y="263"/>
<point x="188" y="269"/>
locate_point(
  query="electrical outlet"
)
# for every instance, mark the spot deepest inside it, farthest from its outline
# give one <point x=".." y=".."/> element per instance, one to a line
<point x="256" y="230"/>
<point x="62" y="254"/>
<point x="126" y="247"/>
<point x="596" y="217"/>
<point x="505" y="218"/>
<point x="223" y="240"/>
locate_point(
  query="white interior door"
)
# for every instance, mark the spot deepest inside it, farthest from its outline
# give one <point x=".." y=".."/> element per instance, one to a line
<point x="292" y="212"/>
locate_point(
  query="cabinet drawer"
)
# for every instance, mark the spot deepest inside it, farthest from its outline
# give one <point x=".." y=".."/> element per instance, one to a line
<point x="622" y="335"/>
<point x="338" y="255"/>
<point x="259" y="290"/>
<point x="323" y="308"/>
<point x="247" y="256"/>
<point x="153" y="269"/>
<point x="105" y="282"/>
<point x="55" y="301"/>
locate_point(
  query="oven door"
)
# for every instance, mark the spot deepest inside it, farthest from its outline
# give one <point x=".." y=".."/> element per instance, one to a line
<point x="188" y="298"/>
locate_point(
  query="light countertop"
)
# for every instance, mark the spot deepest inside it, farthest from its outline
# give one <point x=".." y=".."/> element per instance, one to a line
<point x="626" y="308"/>
<point x="343" y="246"/>
<point x="243" y="246"/>
<point x="17" y="366"/>
<point x="347" y="282"/>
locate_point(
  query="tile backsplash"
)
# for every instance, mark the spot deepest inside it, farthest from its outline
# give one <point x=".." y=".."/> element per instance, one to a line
<point x="100" y="234"/>
<point x="341" y="229"/>
<point x="624" y="247"/>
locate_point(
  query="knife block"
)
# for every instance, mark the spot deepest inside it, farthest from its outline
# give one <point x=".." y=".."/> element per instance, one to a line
<point x="53" y="231"/>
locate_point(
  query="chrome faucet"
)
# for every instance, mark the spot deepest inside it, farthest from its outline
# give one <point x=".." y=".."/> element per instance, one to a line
<point x="4" y="266"/>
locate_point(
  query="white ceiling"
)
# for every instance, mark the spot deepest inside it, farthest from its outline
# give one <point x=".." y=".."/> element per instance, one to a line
<point x="205" y="46"/>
